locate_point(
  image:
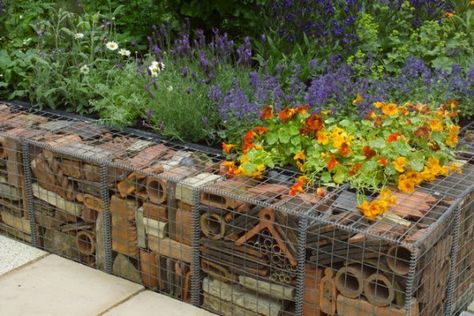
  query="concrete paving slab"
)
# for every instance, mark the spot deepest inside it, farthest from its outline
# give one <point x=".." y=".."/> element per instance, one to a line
<point x="147" y="303"/>
<point x="56" y="286"/>
<point x="14" y="254"/>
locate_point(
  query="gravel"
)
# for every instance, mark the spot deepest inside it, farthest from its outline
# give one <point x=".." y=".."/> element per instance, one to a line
<point x="14" y="254"/>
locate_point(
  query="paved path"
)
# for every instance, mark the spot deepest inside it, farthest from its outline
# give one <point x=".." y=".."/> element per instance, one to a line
<point x="33" y="282"/>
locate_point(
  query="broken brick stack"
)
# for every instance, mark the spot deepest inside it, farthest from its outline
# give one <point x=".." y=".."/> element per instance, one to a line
<point x="166" y="216"/>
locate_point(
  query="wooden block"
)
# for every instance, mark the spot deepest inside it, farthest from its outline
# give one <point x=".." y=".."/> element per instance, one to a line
<point x="124" y="230"/>
<point x="147" y="156"/>
<point x="71" y="168"/>
<point x="141" y="235"/>
<point x="56" y="200"/>
<point x="350" y="307"/>
<point x="239" y="296"/>
<point x="328" y="293"/>
<point x="10" y="231"/>
<point x="138" y="146"/>
<point x="183" y="223"/>
<point x="89" y="215"/>
<point x="170" y="248"/>
<point x="311" y="299"/>
<point x="156" y="212"/>
<point x="123" y="208"/>
<point x="19" y="223"/>
<point x="7" y="191"/>
<point x="225" y="308"/>
<point x="184" y="188"/>
<point x="155" y="228"/>
<point x="12" y="150"/>
<point x="278" y="291"/>
<point x="149" y="268"/>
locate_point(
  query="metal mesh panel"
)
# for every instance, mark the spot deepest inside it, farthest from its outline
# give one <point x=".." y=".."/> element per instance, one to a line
<point x="165" y="215"/>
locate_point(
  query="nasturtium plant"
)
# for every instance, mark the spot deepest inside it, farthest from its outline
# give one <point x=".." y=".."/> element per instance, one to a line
<point x="394" y="146"/>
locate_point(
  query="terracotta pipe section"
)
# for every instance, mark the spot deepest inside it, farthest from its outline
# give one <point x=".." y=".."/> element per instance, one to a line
<point x="156" y="189"/>
<point x="379" y="290"/>
<point x="398" y="260"/>
<point x="213" y="226"/>
<point x="85" y="242"/>
<point x="350" y="280"/>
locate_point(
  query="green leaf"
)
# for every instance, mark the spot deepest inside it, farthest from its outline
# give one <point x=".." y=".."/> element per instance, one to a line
<point x="345" y="123"/>
<point x="295" y="141"/>
<point x="294" y="130"/>
<point x="417" y="164"/>
<point x="325" y="177"/>
<point x="339" y="176"/>
<point x="283" y="136"/>
<point x="271" y="138"/>
<point x="378" y="143"/>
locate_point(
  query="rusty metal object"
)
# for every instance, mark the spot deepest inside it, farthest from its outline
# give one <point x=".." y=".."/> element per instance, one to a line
<point x="85" y="241"/>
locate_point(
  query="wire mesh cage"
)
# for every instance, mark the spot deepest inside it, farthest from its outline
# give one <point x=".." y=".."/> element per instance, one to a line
<point x="169" y="217"/>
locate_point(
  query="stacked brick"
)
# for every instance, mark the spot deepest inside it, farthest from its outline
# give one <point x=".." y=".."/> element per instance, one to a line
<point x="168" y="216"/>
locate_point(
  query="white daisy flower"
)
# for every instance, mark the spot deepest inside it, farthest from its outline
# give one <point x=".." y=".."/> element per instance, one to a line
<point x="111" y="45"/>
<point x="153" y="71"/>
<point x="78" y="36"/>
<point x="84" y="69"/>
<point x="124" y="52"/>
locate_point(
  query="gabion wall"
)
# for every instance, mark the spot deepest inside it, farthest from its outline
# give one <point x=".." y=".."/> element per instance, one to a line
<point x="165" y="216"/>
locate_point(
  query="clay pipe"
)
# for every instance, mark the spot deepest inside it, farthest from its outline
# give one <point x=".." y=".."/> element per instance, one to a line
<point x="85" y="242"/>
<point x="350" y="280"/>
<point x="378" y="290"/>
<point x="398" y="260"/>
<point x="213" y="225"/>
<point x="156" y="190"/>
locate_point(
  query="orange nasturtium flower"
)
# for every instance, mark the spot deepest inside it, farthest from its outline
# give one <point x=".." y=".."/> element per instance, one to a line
<point x="331" y="163"/>
<point x="248" y="141"/>
<point x="449" y="14"/>
<point x="300" y="158"/>
<point x="302" y="109"/>
<point x="314" y="122"/>
<point x="422" y="132"/>
<point x="344" y="150"/>
<point x="298" y="186"/>
<point x="399" y="164"/>
<point x="436" y="125"/>
<point x="322" y="137"/>
<point x="230" y="165"/>
<point x="379" y="104"/>
<point x="368" y="152"/>
<point x="378" y="206"/>
<point x="286" y="114"/>
<point x="383" y="161"/>
<point x="267" y="113"/>
<point x="355" y="169"/>
<point x="390" y="109"/>
<point x="393" y="137"/>
<point x="260" y="129"/>
<point x="406" y="184"/>
<point x="227" y="147"/>
<point x="452" y="138"/>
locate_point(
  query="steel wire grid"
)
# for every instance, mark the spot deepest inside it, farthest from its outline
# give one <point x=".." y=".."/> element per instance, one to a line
<point x="172" y="222"/>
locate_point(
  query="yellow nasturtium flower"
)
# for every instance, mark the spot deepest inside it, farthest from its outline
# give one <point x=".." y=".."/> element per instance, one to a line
<point x="399" y="164"/>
